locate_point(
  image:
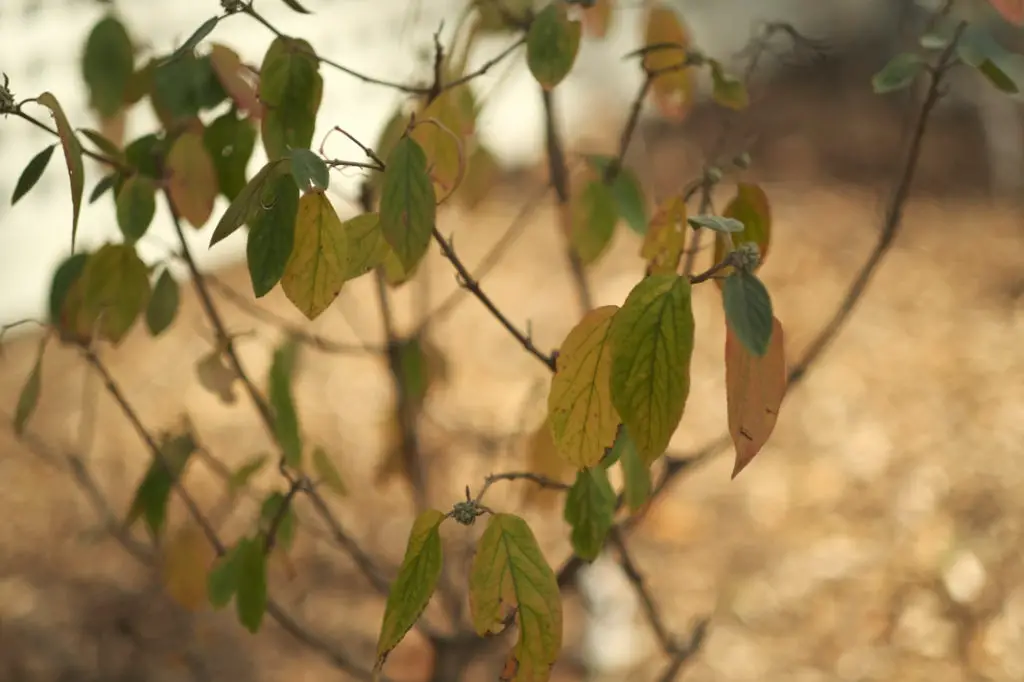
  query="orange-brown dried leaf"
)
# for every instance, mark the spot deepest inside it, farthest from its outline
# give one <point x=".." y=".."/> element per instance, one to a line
<point x="238" y="80"/>
<point x="597" y="19"/>
<point x="755" y="387"/>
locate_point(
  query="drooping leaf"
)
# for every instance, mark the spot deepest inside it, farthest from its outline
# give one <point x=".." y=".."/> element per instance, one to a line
<point x="367" y="247"/>
<point x="222" y="581"/>
<point x="509" y="570"/>
<point x="593" y="221"/>
<point x="750" y="207"/>
<point x="73" y="157"/>
<point x="230" y="142"/>
<point x="408" y="204"/>
<point x="417" y="577"/>
<point x="163" y="304"/>
<point x="291" y="89"/>
<point x="636" y="474"/>
<point x="748" y="311"/>
<point x="665" y="240"/>
<point x="107" y="65"/>
<point x="674" y="85"/>
<point x="552" y="45"/>
<point x="590" y="510"/>
<point x="33" y="171"/>
<point x="899" y="73"/>
<point x="193" y="179"/>
<point x="755" y="387"/>
<point x="318" y="265"/>
<point x="286" y="419"/>
<point x="28" y="399"/>
<point x="237" y="79"/>
<point x="327" y="473"/>
<point x="250" y="200"/>
<point x="272" y="231"/>
<point x="728" y="90"/>
<point x="580" y="410"/>
<point x="186" y="561"/>
<point x="309" y="170"/>
<point x="153" y="493"/>
<point x="251" y="583"/>
<point x="115" y="289"/>
<point x="136" y="206"/>
<point x="652" y="344"/>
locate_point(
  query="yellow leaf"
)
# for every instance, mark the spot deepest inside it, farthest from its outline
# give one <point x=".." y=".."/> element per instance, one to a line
<point x="441" y="130"/>
<point x="187" y="559"/>
<point x="665" y="240"/>
<point x="509" y="570"/>
<point x="673" y="87"/>
<point x="583" y="419"/>
<point x="542" y="458"/>
<point x="319" y="262"/>
<point x="193" y="179"/>
<point x="755" y="387"/>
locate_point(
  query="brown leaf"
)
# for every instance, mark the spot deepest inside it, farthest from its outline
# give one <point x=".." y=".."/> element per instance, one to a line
<point x="754" y="389"/>
<point x="239" y="81"/>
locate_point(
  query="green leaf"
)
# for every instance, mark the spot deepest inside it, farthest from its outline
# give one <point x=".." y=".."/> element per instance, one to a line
<point x="366" y="245"/>
<point x="291" y="87"/>
<point x="997" y="77"/>
<point x="33" y="171"/>
<point x="116" y="290"/>
<point x="272" y="232"/>
<point x="29" y="396"/>
<point x="286" y="420"/>
<point x="205" y="29"/>
<point x="593" y="221"/>
<point x="163" y="304"/>
<point x="222" y="582"/>
<point x="107" y="66"/>
<point x="296" y="6"/>
<point x="509" y="570"/>
<point x="408" y="206"/>
<point x="103" y="186"/>
<point x="230" y="142"/>
<point x="590" y="510"/>
<point x="136" y="206"/>
<point x="273" y="507"/>
<point x="716" y="223"/>
<point x="552" y="44"/>
<point x="898" y="74"/>
<point x="73" y="157"/>
<point x="146" y="155"/>
<point x="249" y="201"/>
<point x="251" y="583"/>
<point x="417" y="578"/>
<point x="309" y="170"/>
<point x="185" y="86"/>
<point x="327" y="473"/>
<point x="748" y="310"/>
<point x="150" y="501"/>
<point x="240" y="477"/>
<point x="68" y="273"/>
<point x="635" y="473"/>
<point x="629" y="196"/>
<point x="318" y="265"/>
<point x="728" y="90"/>
<point x="101" y="143"/>
<point x="652" y="344"/>
<point x="580" y="411"/>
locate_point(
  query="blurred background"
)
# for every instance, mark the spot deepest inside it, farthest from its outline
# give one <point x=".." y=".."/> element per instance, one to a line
<point x="876" y="537"/>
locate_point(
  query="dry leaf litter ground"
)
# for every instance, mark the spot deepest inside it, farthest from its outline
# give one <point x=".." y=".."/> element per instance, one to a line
<point x="875" y="538"/>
